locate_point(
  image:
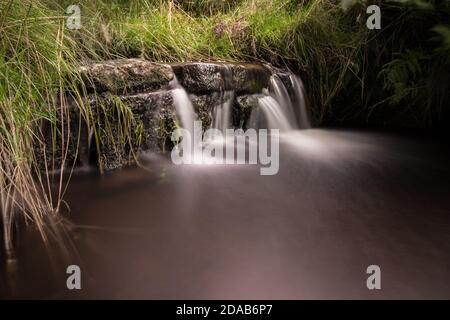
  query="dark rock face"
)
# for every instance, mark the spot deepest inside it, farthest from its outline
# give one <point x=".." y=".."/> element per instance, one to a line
<point x="114" y="147"/>
<point x="156" y="112"/>
<point x="132" y="108"/>
<point x="286" y="80"/>
<point x="150" y="117"/>
<point x="243" y="109"/>
<point x="204" y="107"/>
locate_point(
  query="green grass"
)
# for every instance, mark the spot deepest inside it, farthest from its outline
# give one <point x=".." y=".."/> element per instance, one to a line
<point x="315" y="38"/>
<point x="31" y="68"/>
<point x="349" y="72"/>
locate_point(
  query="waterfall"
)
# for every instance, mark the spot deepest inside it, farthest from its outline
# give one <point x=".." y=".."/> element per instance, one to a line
<point x="300" y="102"/>
<point x="281" y="110"/>
<point x="222" y="112"/>
<point x="183" y="105"/>
<point x="285" y="104"/>
<point x="279" y="107"/>
<point x="273" y="112"/>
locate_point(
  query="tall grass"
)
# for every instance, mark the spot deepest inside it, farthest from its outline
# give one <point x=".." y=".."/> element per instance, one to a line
<point x="40" y="84"/>
<point x="27" y="83"/>
<point x="34" y="68"/>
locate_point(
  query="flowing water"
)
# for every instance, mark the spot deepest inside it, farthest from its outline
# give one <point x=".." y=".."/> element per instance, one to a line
<point x="183" y="105"/>
<point x="299" y="102"/>
<point x="277" y="108"/>
<point x="281" y="111"/>
<point x="342" y="200"/>
<point x="274" y="115"/>
<point x="222" y="112"/>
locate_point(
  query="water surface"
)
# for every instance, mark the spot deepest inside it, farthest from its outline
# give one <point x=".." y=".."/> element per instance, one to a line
<point x="342" y="200"/>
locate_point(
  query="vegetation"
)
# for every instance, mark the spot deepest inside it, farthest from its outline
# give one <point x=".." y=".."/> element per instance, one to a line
<point x="399" y="74"/>
<point x="404" y="69"/>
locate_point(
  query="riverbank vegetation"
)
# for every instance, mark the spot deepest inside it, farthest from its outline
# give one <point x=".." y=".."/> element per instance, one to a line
<point x="398" y="75"/>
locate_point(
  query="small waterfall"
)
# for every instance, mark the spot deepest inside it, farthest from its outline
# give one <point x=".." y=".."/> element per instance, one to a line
<point x="183" y="105"/>
<point x="222" y="112"/>
<point x="281" y="95"/>
<point x="273" y="112"/>
<point x="281" y="110"/>
<point x="300" y="102"/>
<point x="277" y="108"/>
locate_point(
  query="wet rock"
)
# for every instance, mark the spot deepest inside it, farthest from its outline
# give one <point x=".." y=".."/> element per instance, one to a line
<point x="133" y="123"/>
<point x="243" y="108"/>
<point x="204" y="107"/>
<point x="284" y="76"/>
<point x="250" y="78"/>
<point x="125" y="76"/>
<point x="202" y="77"/>
<point x="115" y="128"/>
<point x="208" y="77"/>
<point x="157" y="113"/>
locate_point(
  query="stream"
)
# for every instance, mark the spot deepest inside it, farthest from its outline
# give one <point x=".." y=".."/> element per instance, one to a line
<point x="343" y="199"/>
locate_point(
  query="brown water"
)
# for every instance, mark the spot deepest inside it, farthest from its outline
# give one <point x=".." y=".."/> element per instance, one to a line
<point x="342" y="200"/>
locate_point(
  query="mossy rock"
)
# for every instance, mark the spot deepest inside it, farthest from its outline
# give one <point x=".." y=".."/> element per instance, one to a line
<point x="202" y="78"/>
<point x="125" y="76"/>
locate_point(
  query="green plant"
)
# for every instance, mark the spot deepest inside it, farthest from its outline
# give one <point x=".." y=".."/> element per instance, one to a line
<point x="40" y="87"/>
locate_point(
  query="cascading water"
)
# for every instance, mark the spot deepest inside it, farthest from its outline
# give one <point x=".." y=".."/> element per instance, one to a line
<point x="222" y="112"/>
<point x="300" y="102"/>
<point x="183" y="105"/>
<point x="187" y="115"/>
<point x="285" y="106"/>
<point x="274" y="115"/>
<point x="279" y="108"/>
<point x="276" y="108"/>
